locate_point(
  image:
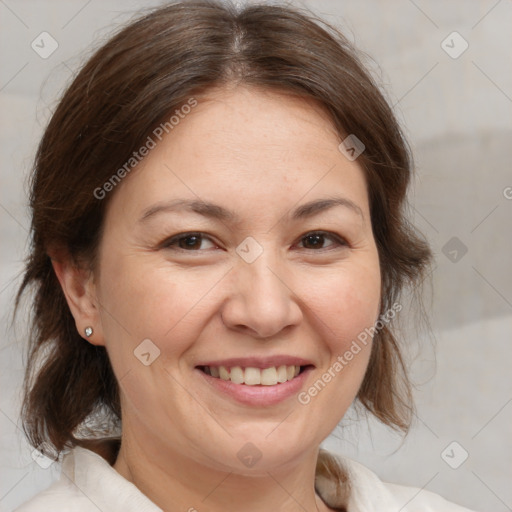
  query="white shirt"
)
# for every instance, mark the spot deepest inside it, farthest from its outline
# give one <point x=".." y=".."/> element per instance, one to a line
<point x="88" y="483"/>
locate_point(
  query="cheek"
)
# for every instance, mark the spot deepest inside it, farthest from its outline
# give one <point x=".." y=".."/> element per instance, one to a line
<point x="141" y="299"/>
<point x="348" y="303"/>
<point x="346" y="307"/>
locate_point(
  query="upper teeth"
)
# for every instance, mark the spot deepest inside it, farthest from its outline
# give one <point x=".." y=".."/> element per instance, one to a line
<point x="254" y="376"/>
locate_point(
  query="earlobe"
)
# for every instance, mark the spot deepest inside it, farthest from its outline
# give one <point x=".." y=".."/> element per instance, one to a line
<point x="77" y="284"/>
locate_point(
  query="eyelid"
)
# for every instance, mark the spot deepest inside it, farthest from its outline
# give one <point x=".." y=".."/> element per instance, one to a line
<point x="339" y="241"/>
<point x="166" y="243"/>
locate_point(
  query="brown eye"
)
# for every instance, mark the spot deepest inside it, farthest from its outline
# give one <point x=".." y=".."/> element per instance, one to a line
<point x="186" y="242"/>
<point x="316" y="240"/>
<point x="190" y="242"/>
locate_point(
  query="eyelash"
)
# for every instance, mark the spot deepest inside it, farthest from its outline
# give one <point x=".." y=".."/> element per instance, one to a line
<point x="168" y="243"/>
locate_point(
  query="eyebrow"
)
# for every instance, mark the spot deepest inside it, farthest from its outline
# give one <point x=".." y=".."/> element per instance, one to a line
<point x="215" y="211"/>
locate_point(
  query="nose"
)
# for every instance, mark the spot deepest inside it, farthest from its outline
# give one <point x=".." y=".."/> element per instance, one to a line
<point x="261" y="301"/>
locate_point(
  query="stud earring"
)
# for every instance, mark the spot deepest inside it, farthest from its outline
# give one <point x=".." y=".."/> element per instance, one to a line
<point x="88" y="331"/>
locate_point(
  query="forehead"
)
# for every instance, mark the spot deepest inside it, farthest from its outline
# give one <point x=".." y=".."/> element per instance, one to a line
<point x="246" y="148"/>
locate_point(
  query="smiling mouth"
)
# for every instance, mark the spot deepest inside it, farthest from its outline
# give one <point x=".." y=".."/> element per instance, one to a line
<point x="251" y="376"/>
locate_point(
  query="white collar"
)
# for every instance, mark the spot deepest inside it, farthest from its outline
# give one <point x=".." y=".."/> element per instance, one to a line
<point x="91" y="484"/>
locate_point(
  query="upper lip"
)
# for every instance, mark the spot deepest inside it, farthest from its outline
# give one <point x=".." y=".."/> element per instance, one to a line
<point x="258" y="362"/>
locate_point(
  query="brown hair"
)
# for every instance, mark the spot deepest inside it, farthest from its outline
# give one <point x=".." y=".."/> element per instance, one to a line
<point x="130" y="85"/>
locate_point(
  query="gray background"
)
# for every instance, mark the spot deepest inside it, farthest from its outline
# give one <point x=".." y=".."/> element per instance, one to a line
<point x="458" y="116"/>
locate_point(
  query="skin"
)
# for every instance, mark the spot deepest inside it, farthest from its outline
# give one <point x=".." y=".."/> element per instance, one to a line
<point x="260" y="154"/>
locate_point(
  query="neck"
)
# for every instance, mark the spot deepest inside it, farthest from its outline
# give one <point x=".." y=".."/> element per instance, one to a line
<point x="177" y="482"/>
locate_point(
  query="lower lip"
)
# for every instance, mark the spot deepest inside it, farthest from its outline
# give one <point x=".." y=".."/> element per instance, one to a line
<point x="258" y="395"/>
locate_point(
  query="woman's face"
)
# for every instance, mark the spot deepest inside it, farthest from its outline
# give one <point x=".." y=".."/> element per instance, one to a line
<point x="223" y="254"/>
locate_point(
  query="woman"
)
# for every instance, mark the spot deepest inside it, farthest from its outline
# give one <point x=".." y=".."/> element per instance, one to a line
<point x="218" y="253"/>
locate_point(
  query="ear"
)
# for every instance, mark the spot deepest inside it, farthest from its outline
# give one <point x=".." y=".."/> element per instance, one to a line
<point x="79" y="288"/>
